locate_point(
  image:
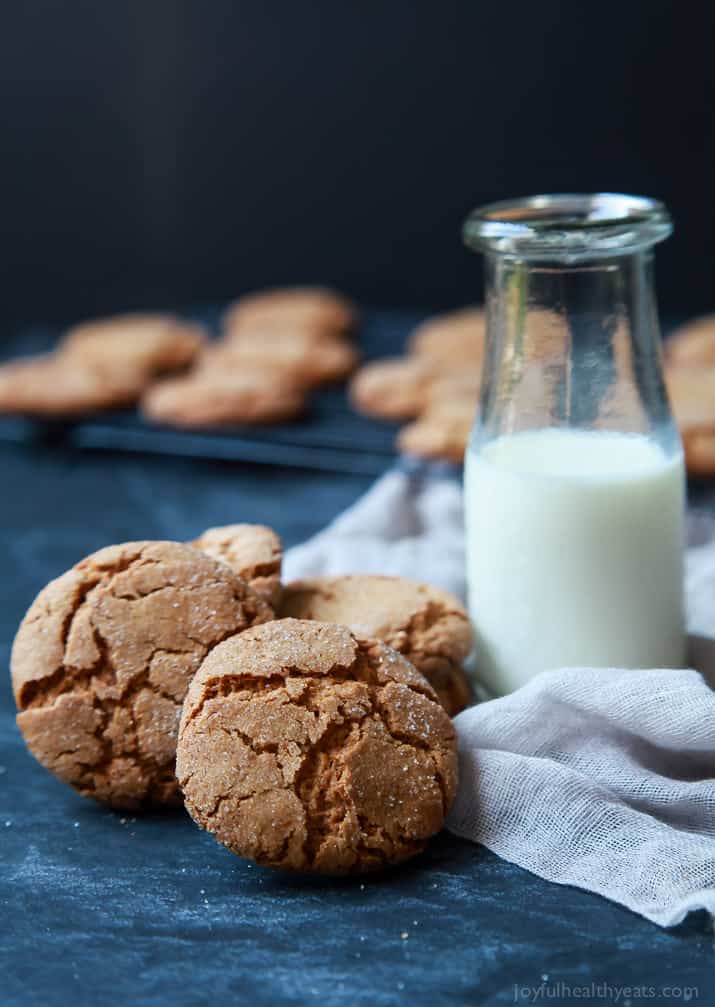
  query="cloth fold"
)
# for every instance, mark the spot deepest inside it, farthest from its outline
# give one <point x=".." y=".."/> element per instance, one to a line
<point x="599" y="778"/>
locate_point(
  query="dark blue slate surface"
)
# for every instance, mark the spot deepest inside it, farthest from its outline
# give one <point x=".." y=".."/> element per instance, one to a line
<point x="95" y="910"/>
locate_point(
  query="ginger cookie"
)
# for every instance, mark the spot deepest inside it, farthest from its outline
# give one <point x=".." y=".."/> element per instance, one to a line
<point x="448" y="388"/>
<point x="304" y="748"/>
<point x="213" y="398"/>
<point x="102" y="661"/>
<point x="441" y="432"/>
<point x="392" y="388"/>
<point x="315" y="309"/>
<point x="152" y="343"/>
<point x="426" y="625"/>
<point x="253" y="551"/>
<point x="295" y="356"/>
<point x="452" y="340"/>
<point x="50" y="385"/>
<point x="692" y="397"/>
<point x="693" y="344"/>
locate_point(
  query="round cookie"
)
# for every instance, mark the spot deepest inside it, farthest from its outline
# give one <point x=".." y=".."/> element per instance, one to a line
<point x="296" y="356"/>
<point x="211" y="398"/>
<point x="153" y="343"/>
<point x="693" y="344"/>
<point x="441" y="432"/>
<point x="428" y="626"/>
<point x="450" y="388"/>
<point x="102" y="661"/>
<point x="52" y="386"/>
<point x="452" y="340"/>
<point x="311" y="308"/>
<point x="393" y="388"/>
<point x="253" y="551"/>
<point x="304" y="748"/>
<point x="692" y="397"/>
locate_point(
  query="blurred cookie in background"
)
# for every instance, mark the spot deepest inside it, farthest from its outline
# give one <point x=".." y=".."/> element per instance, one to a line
<point x="451" y="339"/>
<point x="317" y="309"/>
<point x="296" y="356"/>
<point x="441" y="432"/>
<point x="394" y="388"/>
<point x="693" y="343"/>
<point x="253" y="551"/>
<point x="214" y="398"/>
<point x="692" y="397"/>
<point x="51" y="385"/>
<point x="153" y="343"/>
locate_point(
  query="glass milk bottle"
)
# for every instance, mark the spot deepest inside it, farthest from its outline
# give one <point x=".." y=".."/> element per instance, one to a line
<point x="574" y="478"/>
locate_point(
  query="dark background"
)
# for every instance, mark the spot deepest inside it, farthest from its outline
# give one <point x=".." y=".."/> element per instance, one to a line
<point x="159" y="152"/>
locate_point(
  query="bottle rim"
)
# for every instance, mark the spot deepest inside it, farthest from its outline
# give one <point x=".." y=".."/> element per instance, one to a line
<point x="567" y="226"/>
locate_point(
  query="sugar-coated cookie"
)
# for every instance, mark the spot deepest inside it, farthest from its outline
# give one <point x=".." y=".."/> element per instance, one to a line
<point x="154" y="343"/>
<point x="253" y="551"/>
<point x="693" y="344"/>
<point x="52" y="386"/>
<point x="214" y="398"/>
<point x="392" y="388"/>
<point x="441" y="432"/>
<point x="302" y="747"/>
<point x="102" y="661"/>
<point x="451" y="340"/>
<point x="316" y="309"/>
<point x="427" y="625"/>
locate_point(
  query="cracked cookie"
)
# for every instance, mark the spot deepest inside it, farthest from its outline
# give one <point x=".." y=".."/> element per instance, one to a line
<point x="102" y="661"/>
<point x="253" y="551"/>
<point x="428" y="626"/>
<point x="304" y="748"/>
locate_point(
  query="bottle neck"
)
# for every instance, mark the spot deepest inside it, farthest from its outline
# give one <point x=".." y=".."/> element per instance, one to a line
<point x="573" y="345"/>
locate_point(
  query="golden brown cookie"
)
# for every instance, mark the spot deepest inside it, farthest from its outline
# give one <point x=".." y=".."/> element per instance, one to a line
<point x="213" y="398"/>
<point x="295" y="356"/>
<point x="316" y="309"/>
<point x="393" y="388"/>
<point x="152" y="343"/>
<point x="692" y="397"/>
<point x="103" y="658"/>
<point x="449" y="388"/>
<point x="441" y="432"/>
<point x="693" y="344"/>
<point x="452" y="340"/>
<point x="52" y="386"/>
<point x="427" y="625"/>
<point x="253" y="551"/>
<point x="304" y="748"/>
<point x="699" y="447"/>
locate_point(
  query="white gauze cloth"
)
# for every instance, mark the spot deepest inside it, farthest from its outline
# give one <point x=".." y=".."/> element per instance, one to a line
<point x="599" y="778"/>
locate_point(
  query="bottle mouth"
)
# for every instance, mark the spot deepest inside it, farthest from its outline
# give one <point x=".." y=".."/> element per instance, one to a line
<point x="568" y="227"/>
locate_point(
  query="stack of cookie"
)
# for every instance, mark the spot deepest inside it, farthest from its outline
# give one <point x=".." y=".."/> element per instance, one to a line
<point x="436" y="386"/>
<point x="275" y="347"/>
<point x="690" y="377"/>
<point x="104" y="364"/>
<point x="306" y="727"/>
